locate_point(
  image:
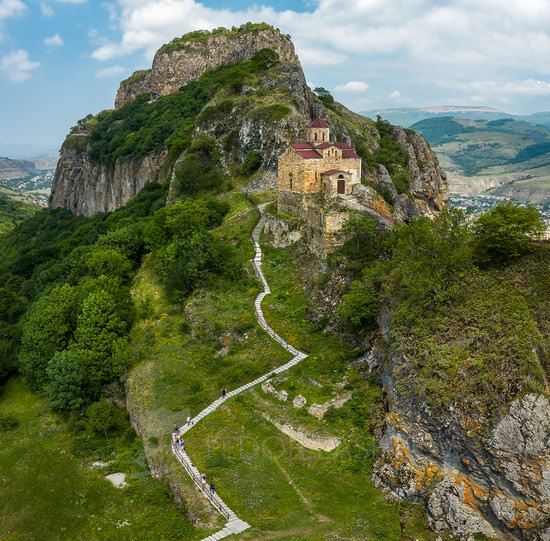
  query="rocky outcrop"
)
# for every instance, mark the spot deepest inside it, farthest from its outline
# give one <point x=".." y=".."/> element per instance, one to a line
<point x="137" y="84"/>
<point x="496" y="483"/>
<point x="86" y="187"/>
<point x="187" y="58"/>
<point x="429" y="185"/>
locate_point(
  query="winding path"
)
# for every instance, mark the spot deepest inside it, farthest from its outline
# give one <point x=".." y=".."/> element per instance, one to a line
<point x="234" y="524"/>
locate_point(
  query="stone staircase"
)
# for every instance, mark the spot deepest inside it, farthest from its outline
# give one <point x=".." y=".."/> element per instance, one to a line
<point x="234" y="524"/>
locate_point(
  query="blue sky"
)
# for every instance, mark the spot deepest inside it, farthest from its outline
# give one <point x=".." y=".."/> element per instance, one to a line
<point x="63" y="59"/>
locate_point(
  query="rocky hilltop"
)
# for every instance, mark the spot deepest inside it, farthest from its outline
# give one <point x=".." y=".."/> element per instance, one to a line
<point x="187" y="58"/>
<point x="219" y="90"/>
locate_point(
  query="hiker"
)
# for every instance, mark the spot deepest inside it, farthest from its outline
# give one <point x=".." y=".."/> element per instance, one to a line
<point x="182" y="443"/>
<point x="203" y="479"/>
<point x="188" y="420"/>
<point x="224" y="392"/>
<point x="212" y="489"/>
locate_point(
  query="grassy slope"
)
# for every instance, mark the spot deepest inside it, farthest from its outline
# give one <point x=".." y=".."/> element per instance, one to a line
<point x="49" y="493"/>
<point x="284" y="490"/>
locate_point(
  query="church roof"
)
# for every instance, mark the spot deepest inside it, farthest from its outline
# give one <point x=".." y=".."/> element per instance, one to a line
<point x="331" y="172"/>
<point x="308" y="154"/>
<point x="343" y="145"/>
<point x="318" y="123"/>
<point x="302" y="145"/>
<point x="350" y="154"/>
<point x="309" y="151"/>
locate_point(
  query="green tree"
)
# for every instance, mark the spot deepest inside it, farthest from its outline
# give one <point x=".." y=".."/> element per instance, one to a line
<point x="506" y="232"/>
<point x="324" y="95"/>
<point x="266" y="58"/>
<point x="68" y="386"/>
<point x="47" y="330"/>
<point x="364" y="244"/>
<point x="99" y="330"/>
<point x="360" y="305"/>
<point x="108" y="262"/>
<point x="102" y="417"/>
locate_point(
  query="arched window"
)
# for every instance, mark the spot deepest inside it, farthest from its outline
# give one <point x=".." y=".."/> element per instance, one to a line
<point x="323" y="136"/>
<point x="315" y="136"/>
<point x="290" y="180"/>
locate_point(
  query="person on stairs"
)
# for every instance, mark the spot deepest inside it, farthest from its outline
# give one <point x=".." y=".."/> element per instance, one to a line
<point x="224" y="393"/>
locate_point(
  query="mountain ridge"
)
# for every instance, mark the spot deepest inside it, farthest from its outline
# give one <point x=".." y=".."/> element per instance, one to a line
<point x="407" y="116"/>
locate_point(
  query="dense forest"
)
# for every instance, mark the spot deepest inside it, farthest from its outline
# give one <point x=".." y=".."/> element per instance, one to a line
<point x="468" y="304"/>
<point x="66" y="306"/>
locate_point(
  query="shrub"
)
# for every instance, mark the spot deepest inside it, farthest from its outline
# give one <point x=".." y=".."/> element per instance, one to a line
<point x="360" y="305"/>
<point x="8" y="422"/>
<point x="252" y="162"/>
<point x="108" y="262"/>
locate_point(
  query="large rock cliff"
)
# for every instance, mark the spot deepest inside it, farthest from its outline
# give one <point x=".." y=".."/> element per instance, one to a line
<point x="100" y="169"/>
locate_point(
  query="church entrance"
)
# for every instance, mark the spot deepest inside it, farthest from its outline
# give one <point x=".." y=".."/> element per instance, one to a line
<point x="341" y="188"/>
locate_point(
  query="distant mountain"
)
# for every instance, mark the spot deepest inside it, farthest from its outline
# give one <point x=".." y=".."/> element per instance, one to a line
<point x="407" y="116"/>
<point x="10" y="169"/>
<point x="504" y="156"/>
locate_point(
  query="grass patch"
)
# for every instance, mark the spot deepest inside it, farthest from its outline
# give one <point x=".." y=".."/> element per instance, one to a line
<point x="49" y="490"/>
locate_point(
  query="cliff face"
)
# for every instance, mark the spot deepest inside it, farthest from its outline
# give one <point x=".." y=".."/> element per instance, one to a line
<point x="187" y="58"/>
<point x="496" y="484"/>
<point x="86" y="188"/>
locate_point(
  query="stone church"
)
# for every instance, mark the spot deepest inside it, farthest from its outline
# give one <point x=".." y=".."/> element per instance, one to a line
<point x="316" y="168"/>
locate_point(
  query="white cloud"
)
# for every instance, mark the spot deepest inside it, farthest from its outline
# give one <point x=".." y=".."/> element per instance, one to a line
<point x="53" y="41"/>
<point x="46" y="10"/>
<point x="525" y="88"/>
<point x="453" y="32"/>
<point x="9" y="8"/>
<point x="17" y="67"/>
<point x="352" y="86"/>
<point x="414" y="43"/>
<point x="394" y="95"/>
<point x="71" y="1"/>
<point x="109" y="72"/>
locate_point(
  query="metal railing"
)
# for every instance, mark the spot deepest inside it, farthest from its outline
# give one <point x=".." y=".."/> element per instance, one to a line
<point x="212" y="497"/>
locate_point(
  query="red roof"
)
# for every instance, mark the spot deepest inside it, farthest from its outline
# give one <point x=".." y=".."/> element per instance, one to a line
<point x="343" y="145"/>
<point x="350" y="154"/>
<point x="302" y="145"/>
<point x="318" y="123"/>
<point x="324" y="145"/>
<point x="334" y="171"/>
<point x="308" y="154"/>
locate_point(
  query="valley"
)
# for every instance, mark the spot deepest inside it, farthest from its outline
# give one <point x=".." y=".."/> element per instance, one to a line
<point x="505" y="157"/>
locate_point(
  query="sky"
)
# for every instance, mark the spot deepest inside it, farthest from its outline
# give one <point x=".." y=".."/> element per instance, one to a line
<point x="63" y="59"/>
